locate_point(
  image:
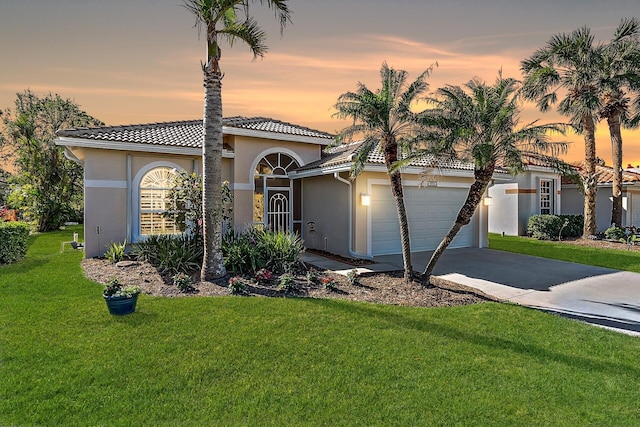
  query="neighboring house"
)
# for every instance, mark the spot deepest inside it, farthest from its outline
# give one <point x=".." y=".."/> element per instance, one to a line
<point x="573" y="198"/>
<point x="516" y="198"/>
<point x="281" y="177"/>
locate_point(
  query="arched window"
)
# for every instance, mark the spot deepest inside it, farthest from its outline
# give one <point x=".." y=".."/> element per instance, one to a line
<point x="154" y="189"/>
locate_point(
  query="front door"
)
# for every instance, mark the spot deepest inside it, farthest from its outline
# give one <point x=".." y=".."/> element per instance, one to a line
<point x="278" y="209"/>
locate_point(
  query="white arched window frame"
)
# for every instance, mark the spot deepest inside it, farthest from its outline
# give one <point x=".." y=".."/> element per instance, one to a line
<point x="151" y="185"/>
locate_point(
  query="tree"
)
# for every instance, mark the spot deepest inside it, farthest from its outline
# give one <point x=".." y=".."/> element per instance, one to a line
<point x="479" y="124"/>
<point x="385" y="119"/>
<point x="229" y="19"/>
<point x="49" y="185"/>
<point x="570" y="62"/>
<point x="619" y="75"/>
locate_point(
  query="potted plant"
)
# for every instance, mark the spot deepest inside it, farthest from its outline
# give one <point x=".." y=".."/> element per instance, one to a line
<point x="120" y="299"/>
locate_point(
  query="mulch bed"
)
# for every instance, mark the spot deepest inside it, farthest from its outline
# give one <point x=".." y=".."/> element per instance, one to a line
<point x="380" y="288"/>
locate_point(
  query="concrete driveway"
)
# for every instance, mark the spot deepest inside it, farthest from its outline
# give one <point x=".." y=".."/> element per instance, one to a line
<point x="596" y="295"/>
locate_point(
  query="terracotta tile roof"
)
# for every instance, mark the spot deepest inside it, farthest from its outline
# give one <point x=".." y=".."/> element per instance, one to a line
<point x="343" y="155"/>
<point x="185" y="133"/>
<point x="605" y="175"/>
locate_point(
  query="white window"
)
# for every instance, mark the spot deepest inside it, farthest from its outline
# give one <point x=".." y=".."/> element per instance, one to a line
<point x="154" y="202"/>
<point x="546" y="196"/>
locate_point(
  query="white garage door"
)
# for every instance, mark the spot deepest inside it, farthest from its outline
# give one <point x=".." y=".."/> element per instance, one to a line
<point x="431" y="212"/>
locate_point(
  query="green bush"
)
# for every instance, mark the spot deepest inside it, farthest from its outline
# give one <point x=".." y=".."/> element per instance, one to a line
<point x="615" y="233"/>
<point x="251" y="250"/>
<point x="171" y="254"/>
<point x="548" y="227"/>
<point x="115" y="253"/>
<point x="241" y="251"/>
<point x="282" y="250"/>
<point x="14" y="237"/>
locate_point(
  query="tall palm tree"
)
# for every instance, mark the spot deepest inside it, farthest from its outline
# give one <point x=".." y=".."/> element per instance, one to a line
<point x="479" y="124"/>
<point x="570" y="63"/>
<point x="619" y="75"/>
<point x="228" y="19"/>
<point x="386" y="122"/>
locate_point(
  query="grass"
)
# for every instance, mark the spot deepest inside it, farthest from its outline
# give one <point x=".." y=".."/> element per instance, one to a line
<point x="618" y="259"/>
<point x="257" y="361"/>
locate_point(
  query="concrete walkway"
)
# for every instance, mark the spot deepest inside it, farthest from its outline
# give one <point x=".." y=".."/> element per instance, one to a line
<point x="600" y="296"/>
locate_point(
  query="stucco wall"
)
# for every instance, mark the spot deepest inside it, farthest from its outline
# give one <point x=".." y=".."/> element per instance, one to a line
<point x="106" y="211"/>
<point x="573" y="203"/>
<point x="111" y="216"/>
<point x="503" y="212"/>
<point x="512" y="217"/>
<point x="325" y="205"/>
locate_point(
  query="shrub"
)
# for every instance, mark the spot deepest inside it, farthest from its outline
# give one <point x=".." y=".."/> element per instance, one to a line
<point x="241" y="252"/>
<point x="182" y="281"/>
<point x="286" y="282"/>
<point x="263" y="276"/>
<point x="116" y="252"/>
<point x="282" y="250"/>
<point x="248" y="251"/>
<point x="236" y="285"/>
<point x="615" y="233"/>
<point x="171" y="254"/>
<point x="312" y="277"/>
<point x="14" y="237"/>
<point x="353" y="277"/>
<point x="548" y="227"/>
<point x="328" y="283"/>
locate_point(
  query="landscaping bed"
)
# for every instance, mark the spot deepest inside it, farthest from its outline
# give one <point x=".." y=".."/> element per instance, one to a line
<point x="383" y="288"/>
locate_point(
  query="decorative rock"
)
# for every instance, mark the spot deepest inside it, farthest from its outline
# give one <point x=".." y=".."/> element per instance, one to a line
<point x="125" y="264"/>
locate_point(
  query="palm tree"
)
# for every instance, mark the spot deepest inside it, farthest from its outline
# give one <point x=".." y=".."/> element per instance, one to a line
<point x="619" y="75"/>
<point x="228" y="19"/>
<point x="570" y="62"/>
<point x="478" y="123"/>
<point x="386" y="122"/>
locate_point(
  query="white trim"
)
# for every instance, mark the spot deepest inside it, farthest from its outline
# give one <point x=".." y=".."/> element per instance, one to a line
<point x="134" y="146"/>
<point x="227" y="130"/>
<point x="135" y="211"/>
<point x="105" y="183"/>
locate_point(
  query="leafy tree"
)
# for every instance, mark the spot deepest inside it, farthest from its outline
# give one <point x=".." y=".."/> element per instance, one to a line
<point x="48" y="184"/>
<point x="385" y="120"/>
<point x="570" y="63"/>
<point x="619" y="75"/>
<point x="229" y="19"/>
<point x="479" y="124"/>
<point x="185" y="206"/>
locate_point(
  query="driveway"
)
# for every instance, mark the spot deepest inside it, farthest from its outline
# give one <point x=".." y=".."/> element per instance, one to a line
<point x="596" y="295"/>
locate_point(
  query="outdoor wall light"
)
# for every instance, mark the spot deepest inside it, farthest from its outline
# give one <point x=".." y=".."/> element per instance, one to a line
<point x="365" y="199"/>
<point x="488" y="201"/>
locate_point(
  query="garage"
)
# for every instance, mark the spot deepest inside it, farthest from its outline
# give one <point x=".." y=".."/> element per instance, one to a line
<point x="431" y="212"/>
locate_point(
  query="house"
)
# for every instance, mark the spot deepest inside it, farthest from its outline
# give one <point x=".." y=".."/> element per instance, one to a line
<point x="573" y="198"/>
<point x="516" y="198"/>
<point x="281" y="176"/>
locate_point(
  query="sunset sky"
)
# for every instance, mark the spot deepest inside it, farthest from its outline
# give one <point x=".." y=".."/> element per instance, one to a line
<point x="138" y="61"/>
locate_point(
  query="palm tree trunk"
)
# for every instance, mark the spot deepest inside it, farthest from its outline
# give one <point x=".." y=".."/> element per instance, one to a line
<point x="213" y="262"/>
<point x="396" y="190"/>
<point x="482" y="179"/>
<point x="590" y="181"/>
<point x="616" y="153"/>
<point x="390" y="157"/>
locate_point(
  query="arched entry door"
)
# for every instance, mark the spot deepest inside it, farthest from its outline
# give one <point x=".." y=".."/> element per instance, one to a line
<point x="276" y="197"/>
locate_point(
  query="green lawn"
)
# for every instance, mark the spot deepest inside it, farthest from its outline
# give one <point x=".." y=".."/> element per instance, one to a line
<point x="621" y="259"/>
<point x="65" y="361"/>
